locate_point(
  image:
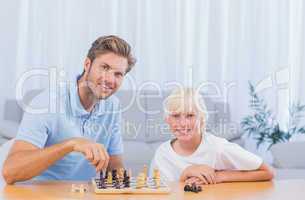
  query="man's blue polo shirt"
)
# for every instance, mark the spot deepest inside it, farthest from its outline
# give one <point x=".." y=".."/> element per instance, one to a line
<point x="70" y="120"/>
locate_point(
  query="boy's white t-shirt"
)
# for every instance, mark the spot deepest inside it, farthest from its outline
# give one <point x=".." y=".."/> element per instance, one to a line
<point x="213" y="151"/>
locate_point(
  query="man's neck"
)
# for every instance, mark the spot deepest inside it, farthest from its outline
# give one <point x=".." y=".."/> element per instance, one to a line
<point x="87" y="98"/>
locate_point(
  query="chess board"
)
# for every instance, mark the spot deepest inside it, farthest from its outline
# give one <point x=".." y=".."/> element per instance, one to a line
<point x="148" y="188"/>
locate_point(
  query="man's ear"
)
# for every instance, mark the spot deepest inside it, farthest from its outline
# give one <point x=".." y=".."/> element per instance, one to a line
<point x="87" y="64"/>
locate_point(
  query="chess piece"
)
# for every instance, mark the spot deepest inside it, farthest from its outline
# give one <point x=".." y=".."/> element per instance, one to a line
<point x="129" y="173"/>
<point x="119" y="173"/>
<point x="102" y="185"/>
<point x="156" y="178"/>
<point x="80" y="188"/>
<point x="109" y="178"/>
<point x="187" y="188"/>
<point x="145" y="172"/>
<point x="125" y="173"/>
<point x="127" y="183"/>
<point x="101" y="176"/>
<point x="156" y="174"/>
<point x="140" y="181"/>
<point x="116" y="184"/>
<point x="114" y="174"/>
<point x="157" y="183"/>
<point x="192" y="188"/>
<point x="126" y="179"/>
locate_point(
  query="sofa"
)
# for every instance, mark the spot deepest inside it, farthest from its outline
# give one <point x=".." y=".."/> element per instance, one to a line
<point x="288" y="159"/>
<point x="143" y="130"/>
<point x="143" y="127"/>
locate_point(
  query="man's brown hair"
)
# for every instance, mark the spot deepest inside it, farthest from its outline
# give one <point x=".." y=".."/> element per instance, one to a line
<point x="113" y="44"/>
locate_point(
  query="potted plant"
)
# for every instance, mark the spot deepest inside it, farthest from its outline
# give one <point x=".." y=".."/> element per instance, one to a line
<point x="263" y="126"/>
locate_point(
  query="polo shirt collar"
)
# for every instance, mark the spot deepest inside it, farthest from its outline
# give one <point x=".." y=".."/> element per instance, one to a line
<point x="77" y="108"/>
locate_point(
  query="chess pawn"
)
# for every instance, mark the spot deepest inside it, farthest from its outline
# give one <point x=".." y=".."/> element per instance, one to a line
<point x="82" y="189"/>
<point x="145" y="172"/>
<point x="156" y="174"/>
<point x="121" y="173"/>
<point x="109" y="178"/>
<point x="101" y="175"/>
<point x="125" y="174"/>
<point x="140" y="181"/>
<point x="130" y="173"/>
<point x="114" y="174"/>
<point x="157" y="183"/>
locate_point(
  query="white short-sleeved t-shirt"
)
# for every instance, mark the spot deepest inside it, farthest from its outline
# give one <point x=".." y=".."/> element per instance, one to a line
<point x="213" y="151"/>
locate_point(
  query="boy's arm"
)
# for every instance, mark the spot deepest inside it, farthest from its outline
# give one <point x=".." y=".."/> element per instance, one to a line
<point x="263" y="173"/>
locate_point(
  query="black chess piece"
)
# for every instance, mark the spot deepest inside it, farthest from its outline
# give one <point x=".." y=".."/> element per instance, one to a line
<point x="187" y="188"/>
<point x="125" y="173"/>
<point x="116" y="184"/>
<point x="194" y="188"/>
<point x="199" y="188"/>
<point x="102" y="185"/>
<point x="101" y="175"/>
<point x="114" y="175"/>
<point x="98" y="185"/>
<point x="126" y="181"/>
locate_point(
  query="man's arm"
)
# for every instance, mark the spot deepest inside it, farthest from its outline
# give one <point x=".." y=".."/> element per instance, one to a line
<point x="26" y="160"/>
<point x="263" y="173"/>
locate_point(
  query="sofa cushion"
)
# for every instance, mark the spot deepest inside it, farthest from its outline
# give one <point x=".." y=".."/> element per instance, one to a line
<point x="133" y="115"/>
<point x="288" y="155"/>
<point x="289" y="173"/>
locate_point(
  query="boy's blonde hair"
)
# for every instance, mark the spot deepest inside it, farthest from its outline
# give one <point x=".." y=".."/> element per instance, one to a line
<point x="183" y="100"/>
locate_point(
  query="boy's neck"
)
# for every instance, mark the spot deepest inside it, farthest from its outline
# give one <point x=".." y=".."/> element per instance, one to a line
<point x="189" y="147"/>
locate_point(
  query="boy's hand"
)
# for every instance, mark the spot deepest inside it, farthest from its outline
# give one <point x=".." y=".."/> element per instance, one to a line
<point x="205" y="173"/>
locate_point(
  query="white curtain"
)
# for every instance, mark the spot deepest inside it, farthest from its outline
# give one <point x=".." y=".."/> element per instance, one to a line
<point x="223" y="42"/>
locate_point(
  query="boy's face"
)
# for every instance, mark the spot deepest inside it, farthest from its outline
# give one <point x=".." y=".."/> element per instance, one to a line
<point x="184" y="125"/>
<point x="105" y="74"/>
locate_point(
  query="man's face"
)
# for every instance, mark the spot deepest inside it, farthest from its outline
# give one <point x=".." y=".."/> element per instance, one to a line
<point x="105" y="74"/>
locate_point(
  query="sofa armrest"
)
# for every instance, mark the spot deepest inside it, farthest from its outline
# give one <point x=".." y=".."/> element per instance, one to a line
<point x="8" y="129"/>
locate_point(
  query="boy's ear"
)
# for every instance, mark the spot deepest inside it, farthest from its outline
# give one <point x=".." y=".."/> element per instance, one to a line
<point x="166" y="119"/>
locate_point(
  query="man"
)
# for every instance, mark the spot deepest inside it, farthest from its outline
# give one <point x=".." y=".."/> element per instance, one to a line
<point x="84" y="136"/>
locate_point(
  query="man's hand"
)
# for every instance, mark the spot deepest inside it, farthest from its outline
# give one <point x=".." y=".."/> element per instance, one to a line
<point x="94" y="152"/>
<point x="204" y="173"/>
